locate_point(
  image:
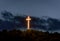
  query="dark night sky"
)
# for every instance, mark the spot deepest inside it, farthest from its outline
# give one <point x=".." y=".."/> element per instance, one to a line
<point x="36" y="8"/>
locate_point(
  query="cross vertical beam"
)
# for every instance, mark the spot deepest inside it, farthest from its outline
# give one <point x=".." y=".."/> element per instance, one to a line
<point x="28" y="19"/>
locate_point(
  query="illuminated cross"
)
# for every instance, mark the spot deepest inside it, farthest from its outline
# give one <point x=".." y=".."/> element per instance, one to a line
<point x="28" y="22"/>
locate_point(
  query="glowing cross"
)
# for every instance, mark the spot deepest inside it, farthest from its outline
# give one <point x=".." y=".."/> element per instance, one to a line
<point x="28" y="22"/>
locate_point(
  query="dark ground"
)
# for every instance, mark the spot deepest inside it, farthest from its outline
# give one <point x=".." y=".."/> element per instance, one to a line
<point x="29" y="35"/>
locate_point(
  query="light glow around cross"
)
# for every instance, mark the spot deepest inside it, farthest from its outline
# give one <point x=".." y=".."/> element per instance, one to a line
<point x="28" y="19"/>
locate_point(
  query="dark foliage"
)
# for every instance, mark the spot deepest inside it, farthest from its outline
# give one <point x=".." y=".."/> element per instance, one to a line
<point x="28" y="35"/>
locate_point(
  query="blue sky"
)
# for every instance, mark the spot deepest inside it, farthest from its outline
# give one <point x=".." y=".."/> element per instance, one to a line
<point x="36" y="8"/>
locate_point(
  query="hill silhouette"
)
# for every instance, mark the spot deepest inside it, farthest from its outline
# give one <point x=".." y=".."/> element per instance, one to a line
<point x="10" y="24"/>
<point x="28" y="35"/>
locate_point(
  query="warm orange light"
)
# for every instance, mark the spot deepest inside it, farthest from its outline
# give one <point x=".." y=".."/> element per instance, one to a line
<point x="28" y="22"/>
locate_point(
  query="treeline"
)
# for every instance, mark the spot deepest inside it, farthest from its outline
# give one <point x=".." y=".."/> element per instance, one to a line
<point x="28" y="35"/>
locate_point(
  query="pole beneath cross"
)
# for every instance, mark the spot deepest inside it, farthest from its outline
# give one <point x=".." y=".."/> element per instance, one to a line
<point x="28" y="19"/>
